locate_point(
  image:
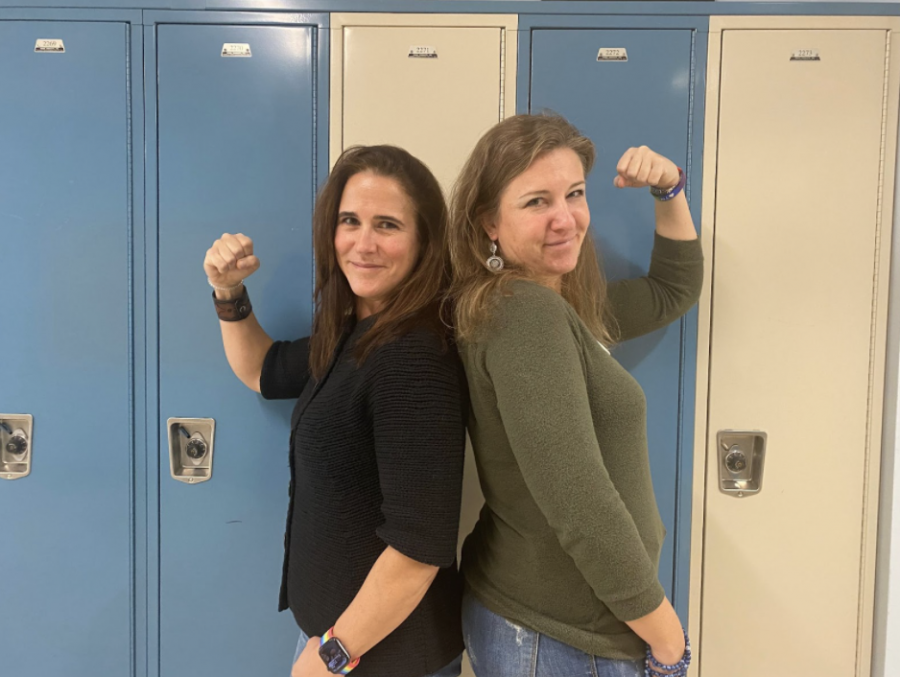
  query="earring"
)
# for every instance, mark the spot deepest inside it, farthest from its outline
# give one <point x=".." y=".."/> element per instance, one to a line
<point x="494" y="262"/>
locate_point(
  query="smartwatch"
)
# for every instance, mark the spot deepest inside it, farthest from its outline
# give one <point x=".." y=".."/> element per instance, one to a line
<point x="334" y="654"/>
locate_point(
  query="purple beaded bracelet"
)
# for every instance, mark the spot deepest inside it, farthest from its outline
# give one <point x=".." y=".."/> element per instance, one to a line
<point x="652" y="666"/>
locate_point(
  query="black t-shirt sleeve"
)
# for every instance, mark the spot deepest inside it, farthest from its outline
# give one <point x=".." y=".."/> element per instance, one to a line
<point x="285" y="370"/>
<point x="418" y="400"/>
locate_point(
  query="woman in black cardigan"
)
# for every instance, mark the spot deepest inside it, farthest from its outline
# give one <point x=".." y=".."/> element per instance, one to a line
<point x="378" y="432"/>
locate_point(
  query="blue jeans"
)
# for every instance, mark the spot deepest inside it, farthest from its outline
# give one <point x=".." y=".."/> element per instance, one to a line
<point x="499" y="648"/>
<point x="452" y="670"/>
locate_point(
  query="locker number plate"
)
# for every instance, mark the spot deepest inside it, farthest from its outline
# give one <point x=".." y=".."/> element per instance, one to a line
<point x="50" y="46"/>
<point x="422" y="52"/>
<point x="236" y="49"/>
<point x="806" y="55"/>
<point x="612" y="54"/>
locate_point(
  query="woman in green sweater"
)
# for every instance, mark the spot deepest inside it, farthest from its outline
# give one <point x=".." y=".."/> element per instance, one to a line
<point x="562" y="568"/>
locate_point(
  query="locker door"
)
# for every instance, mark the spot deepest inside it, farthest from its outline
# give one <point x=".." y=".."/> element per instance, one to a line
<point x="792" y="343"/>
<point x="65" y="560"/>
<point x="619" y="104"/>
<point x="235" y="155"/>
<point x="435" y="102"/>
<point x="433" y="91"/>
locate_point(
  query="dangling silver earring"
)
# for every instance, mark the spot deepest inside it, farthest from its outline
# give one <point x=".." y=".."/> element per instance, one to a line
<point x="494" y="262"/>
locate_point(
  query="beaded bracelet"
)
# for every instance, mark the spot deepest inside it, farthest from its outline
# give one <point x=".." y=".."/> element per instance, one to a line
<point x="652" y="666"/>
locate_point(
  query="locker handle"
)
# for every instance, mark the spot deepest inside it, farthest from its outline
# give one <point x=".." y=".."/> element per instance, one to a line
<point x="191" y="449"/>
<point x="15" y="445"/>
<point x="742" y="455"/>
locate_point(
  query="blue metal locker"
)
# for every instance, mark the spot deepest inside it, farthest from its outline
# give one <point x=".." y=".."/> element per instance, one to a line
<point x="644" y="100"/>
<point x="236" y="143"/>
<point x="65" y="558"/>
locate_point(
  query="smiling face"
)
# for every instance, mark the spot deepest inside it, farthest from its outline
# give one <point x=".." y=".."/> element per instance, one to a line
<point x="376" y="239"/>
<point x="543" y="217"/>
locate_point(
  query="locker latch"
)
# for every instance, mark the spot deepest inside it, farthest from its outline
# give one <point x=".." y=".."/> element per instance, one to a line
<point x="742" y="457"/>
<point x="191" y="449"/>
<point x="15" y="445"/>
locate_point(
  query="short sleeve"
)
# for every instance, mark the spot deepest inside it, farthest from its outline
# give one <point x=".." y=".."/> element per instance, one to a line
<point x="418" y="404"/>
<point x="285" y="370"/>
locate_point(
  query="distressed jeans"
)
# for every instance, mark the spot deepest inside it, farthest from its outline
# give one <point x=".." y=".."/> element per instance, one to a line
<point x="499" y="648"/>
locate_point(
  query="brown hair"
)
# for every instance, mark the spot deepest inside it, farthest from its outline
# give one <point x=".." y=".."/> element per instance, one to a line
<point x="505" y="151"/>
<point x="415" y="302"/>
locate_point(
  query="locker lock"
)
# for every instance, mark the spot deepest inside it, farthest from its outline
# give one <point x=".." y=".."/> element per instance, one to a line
<point x="195" y="448"/>
<point x="735" y="461"/>
<point x="17" y="444"/>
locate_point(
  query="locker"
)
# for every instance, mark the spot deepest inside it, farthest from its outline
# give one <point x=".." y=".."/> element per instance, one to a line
<point x="235" y="154"/>
<point x="432" y="84"/>
<point x="66" y="226"/>
<point x="644" y="100"/>
<point x="421" y="83"/>
<point x="796" y="336"/>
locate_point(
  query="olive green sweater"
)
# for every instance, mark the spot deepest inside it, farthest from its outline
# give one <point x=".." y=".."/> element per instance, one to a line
<point x="569" y="539"/>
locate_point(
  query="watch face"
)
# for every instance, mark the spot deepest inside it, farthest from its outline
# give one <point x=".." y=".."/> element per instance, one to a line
<point x="334" y="655"/>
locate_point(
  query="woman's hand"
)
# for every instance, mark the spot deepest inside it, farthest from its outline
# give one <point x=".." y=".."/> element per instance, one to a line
<point x="310" y="664"/>
<point x="641" y="167"/>
<point x="230" y="260"/>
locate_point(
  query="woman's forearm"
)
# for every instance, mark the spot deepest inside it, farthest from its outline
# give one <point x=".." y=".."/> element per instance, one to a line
<point x="391" y="592"/>
<point x="662" y="630"/>
<point x="673" y="219"/>
<point x="246" y="345"/>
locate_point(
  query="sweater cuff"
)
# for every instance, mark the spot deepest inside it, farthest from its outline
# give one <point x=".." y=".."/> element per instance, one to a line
<point x="677" y="250"/>
<point x="638" y="606"/>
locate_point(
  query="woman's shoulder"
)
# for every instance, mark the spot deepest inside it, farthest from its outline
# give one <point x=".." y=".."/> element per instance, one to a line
<point x="524" y="304"/>
<point x="415" y="344"/>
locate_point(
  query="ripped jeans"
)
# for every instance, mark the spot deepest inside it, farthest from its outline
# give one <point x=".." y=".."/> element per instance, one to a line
<point x="499" y="648"/>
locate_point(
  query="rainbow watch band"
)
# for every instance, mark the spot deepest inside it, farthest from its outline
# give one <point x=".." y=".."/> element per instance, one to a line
<point x="352" y="664"/>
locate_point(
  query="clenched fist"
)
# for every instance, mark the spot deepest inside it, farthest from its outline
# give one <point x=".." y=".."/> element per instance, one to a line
<point x="230" y="260"/>
<point x="641" y="167"/>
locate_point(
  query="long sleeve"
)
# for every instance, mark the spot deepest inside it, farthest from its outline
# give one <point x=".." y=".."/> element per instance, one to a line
<point x="669" y="289"/>
<point x="534" y="360"/>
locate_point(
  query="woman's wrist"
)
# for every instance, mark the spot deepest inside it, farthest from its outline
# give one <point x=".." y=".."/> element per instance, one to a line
<point x="229" y="294"/>
<point x="668" y="661"/>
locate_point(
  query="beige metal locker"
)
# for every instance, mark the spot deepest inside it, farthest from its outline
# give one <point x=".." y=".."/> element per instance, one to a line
<point x="800" y="147"/>
<point x="432" y="84"/>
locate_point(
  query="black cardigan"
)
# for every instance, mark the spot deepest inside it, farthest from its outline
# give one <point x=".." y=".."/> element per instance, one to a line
<point x="376" y="459"/>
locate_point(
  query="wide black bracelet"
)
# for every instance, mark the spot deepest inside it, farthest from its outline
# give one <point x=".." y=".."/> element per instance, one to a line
<point x="233" y="310"/>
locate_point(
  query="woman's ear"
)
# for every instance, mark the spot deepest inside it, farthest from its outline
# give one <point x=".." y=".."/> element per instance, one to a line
<point x="490" y="227"/>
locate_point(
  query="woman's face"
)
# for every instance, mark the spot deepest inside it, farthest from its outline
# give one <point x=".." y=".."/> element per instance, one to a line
<point x="543" y="217"/>
<point x="376" y="240"/>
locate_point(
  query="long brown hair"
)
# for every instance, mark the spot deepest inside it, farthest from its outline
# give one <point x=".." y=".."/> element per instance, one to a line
<point x="505" y="151"/>
<point x="415" y="302"/>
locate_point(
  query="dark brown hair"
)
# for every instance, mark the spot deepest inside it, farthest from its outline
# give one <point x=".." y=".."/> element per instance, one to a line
<point x="416" y="301"/>
<point x="505" y="151"/>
